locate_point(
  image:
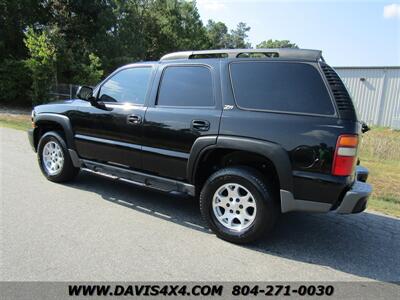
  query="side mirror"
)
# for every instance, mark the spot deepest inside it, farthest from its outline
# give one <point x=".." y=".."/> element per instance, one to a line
<point x="85" y="93"/>
<point x="364" y="127"/>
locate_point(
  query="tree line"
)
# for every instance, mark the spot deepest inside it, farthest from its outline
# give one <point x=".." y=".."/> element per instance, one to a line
<point x="46" y="42"/>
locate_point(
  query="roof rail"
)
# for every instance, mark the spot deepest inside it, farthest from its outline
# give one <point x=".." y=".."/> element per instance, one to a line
<point x="305" y="54"/>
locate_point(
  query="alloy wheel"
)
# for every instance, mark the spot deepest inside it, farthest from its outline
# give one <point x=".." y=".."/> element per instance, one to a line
<point x="234" y="206"/>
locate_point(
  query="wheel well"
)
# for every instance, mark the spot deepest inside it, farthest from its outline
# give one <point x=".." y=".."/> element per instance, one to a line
<point x="46" y="126"/>
<point x="216" y="159"/>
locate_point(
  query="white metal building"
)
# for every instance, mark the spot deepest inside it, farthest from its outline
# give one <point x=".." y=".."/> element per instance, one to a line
<point x="375" y="92"/>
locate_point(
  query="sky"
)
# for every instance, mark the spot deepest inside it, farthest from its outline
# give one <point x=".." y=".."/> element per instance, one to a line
<point x="349" y="33"/>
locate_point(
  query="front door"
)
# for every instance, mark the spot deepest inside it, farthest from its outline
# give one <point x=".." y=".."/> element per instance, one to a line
<point x="112" y="132"/>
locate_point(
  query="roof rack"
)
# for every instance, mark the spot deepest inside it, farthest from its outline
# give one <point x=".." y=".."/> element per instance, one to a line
<point x="305" y="54"/>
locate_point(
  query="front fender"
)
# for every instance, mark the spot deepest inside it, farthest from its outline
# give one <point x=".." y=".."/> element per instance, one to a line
<point x="63" y="121"/>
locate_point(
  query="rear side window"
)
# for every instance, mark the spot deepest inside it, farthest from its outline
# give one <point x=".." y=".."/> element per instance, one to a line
<point x="186" y="86"/>
<point x="280" y="86"/>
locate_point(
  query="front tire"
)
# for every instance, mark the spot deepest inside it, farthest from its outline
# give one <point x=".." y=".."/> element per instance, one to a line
<point x="54" y="159"/>
<point x="238" y="205"/>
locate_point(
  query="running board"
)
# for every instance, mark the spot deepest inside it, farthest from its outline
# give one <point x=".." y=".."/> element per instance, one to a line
<point x="139" y="178"/>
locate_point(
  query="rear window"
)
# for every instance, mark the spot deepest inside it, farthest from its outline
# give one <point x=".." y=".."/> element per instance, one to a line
<point x="280" y="86"/>
<point x="186" y="86"/>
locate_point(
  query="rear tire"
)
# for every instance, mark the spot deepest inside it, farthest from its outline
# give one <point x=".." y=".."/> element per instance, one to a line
<point x="54" y="159"/>
<point x="238" y="205"/>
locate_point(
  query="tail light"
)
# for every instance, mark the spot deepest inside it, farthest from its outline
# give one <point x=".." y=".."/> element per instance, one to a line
<point x="345" y="157"/>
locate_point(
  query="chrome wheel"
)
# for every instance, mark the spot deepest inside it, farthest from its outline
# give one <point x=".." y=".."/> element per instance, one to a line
<point x="234" y="206"/>
<point x="53" y="158"/>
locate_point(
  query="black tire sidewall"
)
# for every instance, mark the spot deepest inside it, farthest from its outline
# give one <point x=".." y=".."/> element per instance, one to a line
<point x="266" y="209"/>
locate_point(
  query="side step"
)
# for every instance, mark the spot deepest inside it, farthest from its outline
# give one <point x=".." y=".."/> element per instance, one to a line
<point x="139" y="178"/>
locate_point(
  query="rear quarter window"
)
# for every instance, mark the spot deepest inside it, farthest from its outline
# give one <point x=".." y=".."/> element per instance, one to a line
<point x="280" y="86"/>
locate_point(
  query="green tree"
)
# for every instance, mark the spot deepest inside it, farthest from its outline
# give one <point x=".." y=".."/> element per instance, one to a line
<point x="238" y="37"/>
<point x="76" y="41"/>
<point x="15" y="82"/>
<point x="41" y="62"/>
<point x="89" y="73"/>
<point x="277" y="44"/>
<point x="219" y="38"/>
<point x="217" y="34"/>
<point x="79" y="28"/>
<point x="15" y="16"/>
<point x="173" y="25"/>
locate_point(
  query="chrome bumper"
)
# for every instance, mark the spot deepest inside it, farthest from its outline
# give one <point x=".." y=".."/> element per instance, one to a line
<point x="355" y="200"/>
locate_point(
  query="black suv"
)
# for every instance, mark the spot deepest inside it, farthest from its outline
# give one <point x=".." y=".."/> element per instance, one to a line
<point x="252" y="132"/>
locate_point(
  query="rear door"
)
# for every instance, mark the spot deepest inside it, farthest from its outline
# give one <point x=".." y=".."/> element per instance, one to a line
<point x="113" y="133"/>
<point x="185" y="106"/>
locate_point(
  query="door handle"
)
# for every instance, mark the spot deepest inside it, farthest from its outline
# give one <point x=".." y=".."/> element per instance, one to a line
<point x="134" y="119"/>
<point x="200" y="125"/>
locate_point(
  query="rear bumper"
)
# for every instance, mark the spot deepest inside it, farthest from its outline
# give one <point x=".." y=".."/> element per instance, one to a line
<point x="355" y="200"/>
<point x="31" y="138"/>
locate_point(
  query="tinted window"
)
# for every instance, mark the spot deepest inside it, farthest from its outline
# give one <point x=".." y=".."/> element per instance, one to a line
<point x="129" y="85"/>
<point x="280" y="86"/>
<point x="186" y="86"/>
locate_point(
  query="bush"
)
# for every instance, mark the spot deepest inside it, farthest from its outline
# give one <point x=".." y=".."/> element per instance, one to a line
<point x="15" y="83"/>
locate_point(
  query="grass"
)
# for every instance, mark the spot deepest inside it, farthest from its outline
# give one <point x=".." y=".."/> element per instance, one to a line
<point x="379" y="152"/>
<point x="20" y="122"/>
